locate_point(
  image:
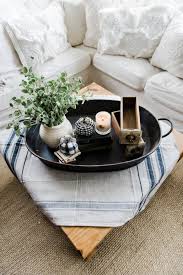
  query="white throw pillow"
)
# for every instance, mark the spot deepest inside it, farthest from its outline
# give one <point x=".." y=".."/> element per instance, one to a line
<point x="169" y="54"/>
<point x="133" y="32"/>
<point x="92" y="8"/>
<point x="41" y="37"/>
<point x="141" y="3"/>
<point x="9" y="60"/>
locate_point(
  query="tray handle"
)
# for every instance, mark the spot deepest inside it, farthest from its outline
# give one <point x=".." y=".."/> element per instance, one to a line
<point x="171" y="126"/>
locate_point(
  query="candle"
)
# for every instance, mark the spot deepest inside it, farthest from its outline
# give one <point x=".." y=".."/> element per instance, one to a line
<point x="103" y="123"/>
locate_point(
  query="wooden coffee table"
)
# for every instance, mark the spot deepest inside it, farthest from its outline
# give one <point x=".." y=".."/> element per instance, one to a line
<point x="86" y="239"/>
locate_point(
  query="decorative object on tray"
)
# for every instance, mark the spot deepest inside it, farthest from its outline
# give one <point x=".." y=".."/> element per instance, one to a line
<point x="87" y="137"/>
<point x="127" y="126"/>
<point x="68" y="145"/>
<point x="103" y="123"/>
<point x="135" y="150"/>
<point x="85" y="126"/>
<point x="63" y="158"/>
<point x="95" y="142"/>
<point x="46" y="103"/>
<point x="51" y="135"/>
<point x="68" y="150"/>
<point x="130" y="121"/>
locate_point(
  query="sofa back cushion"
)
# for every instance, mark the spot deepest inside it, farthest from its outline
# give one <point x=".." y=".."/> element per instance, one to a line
<point x="92" y="19"/>
<point x="169" y="54"/>
<point x="74" y="17"/>
<point x="75" y="21"/>
<point x="133" y="32"/>
<point x="41" y="37"/>
<point x="141" y="3"/>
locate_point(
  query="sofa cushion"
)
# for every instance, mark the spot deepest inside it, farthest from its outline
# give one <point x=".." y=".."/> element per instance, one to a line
<point x="165" y="91"/>
<point x="72" y="61"/>
<point x="169" y="54"/>
<point x="130" y="71"/>
<point x="89" y="50"/>
<point x="133" y="32"/>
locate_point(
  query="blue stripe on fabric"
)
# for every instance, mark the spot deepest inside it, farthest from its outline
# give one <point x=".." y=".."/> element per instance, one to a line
<point x="155" y="176"/>
<point x="162" y="156"/>
<point x="91" y="205"/>
<point x="148" y="176"/>
<point x="24" y="166"/>
<point x="16" y="153"/>
<point x="140" y="187"/>
<point x="162" y="168"/>
<point x="160" y="162"/>
<point x="11" y="137"/>
<point x="140" y="181"/>
<point x="150" y="171"/>
<point x="6" y="149"/>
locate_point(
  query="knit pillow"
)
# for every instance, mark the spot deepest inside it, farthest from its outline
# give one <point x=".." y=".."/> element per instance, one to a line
<point x="169" y="54"/>
<point x="41" y="37"/>
<point x="92" y="8"/>
<point x="133" y="32"/>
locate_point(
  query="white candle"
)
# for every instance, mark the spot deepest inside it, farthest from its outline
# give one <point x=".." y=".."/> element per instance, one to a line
<point x="103" y="123"/>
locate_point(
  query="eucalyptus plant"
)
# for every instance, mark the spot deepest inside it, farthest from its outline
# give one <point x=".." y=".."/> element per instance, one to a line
<point x="44" y="101"/>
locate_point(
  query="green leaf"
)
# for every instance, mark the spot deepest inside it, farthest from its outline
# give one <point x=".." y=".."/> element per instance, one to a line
<point x="24" y="70"/>
<point x="45" y="101"/>
<point x="24" y="91"/>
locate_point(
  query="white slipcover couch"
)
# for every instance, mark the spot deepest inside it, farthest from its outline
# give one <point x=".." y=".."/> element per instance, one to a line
<point x="157" y="90"/>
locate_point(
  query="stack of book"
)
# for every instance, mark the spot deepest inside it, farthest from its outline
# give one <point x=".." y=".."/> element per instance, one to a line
<point x="95" y="142"/>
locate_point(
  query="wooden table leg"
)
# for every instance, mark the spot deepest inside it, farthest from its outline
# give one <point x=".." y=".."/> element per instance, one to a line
<point x="86" y="239"/>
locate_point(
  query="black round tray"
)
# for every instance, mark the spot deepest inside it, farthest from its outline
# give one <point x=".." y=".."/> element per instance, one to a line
<point x="108" y="160"/>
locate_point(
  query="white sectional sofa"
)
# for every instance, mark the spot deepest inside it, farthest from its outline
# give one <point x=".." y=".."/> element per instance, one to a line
<point x="157" y="90"/>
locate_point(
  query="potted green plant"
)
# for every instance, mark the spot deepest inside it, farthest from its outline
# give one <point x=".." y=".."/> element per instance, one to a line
<point x="46" y="102"/>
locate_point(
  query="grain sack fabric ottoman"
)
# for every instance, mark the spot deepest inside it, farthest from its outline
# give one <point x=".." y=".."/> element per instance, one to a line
<point x="89" y="199"/>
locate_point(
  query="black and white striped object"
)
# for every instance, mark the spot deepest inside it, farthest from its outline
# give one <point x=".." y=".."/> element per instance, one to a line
<point x="85" y="126"/>
<point x="68" y="145"/>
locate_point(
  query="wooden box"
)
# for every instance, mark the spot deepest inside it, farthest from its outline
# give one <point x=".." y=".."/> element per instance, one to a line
<point x="131" y="150"/>
<point x="127" y="126"/>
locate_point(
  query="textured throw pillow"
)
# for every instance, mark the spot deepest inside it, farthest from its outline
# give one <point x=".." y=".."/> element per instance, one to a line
<point x="141" y="3"/>
<point x="92" y="8"/>
<point x="41" y="37"/>
<point x="9" y="60"/>
<point x="133" y="32"/>
<point x="169" y="54"/>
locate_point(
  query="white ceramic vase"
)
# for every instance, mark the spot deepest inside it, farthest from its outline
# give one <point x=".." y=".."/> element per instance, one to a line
<point x="51" y="135"/>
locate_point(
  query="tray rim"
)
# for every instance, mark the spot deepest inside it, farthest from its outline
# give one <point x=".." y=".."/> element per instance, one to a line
<point x="139" y="159"/>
